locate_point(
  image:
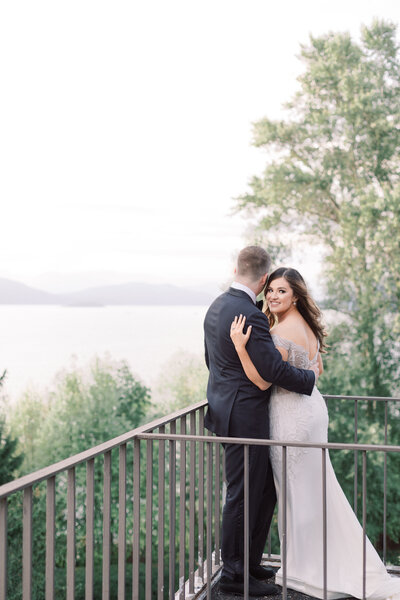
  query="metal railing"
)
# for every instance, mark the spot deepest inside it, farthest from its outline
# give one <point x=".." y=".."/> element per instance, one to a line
<point x="160" y="511"/>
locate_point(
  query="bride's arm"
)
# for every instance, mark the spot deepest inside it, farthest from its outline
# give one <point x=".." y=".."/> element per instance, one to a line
<point x="320" y="365"/>
<point x="240" y="340"/>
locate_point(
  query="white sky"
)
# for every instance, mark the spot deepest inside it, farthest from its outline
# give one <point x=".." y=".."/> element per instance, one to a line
<point x="125" y="128"/>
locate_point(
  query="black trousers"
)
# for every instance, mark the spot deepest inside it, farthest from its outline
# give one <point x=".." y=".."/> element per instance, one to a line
<point x="262" y="500"/>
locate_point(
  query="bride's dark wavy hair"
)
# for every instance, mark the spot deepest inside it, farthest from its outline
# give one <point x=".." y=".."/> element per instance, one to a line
<point x="305" y="303"/>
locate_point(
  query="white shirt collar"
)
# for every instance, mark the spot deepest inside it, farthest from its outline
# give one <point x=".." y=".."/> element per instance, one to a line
<point x="239" y="286"/>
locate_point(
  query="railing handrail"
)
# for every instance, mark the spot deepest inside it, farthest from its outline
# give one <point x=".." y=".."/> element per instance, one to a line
<point x="266" y="442"/>
<point x="37" y="476"/>
<point x="369" y="398"/>
<point x="67" y="463"/>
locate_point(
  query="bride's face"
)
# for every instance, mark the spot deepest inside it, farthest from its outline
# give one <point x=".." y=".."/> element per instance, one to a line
<point x="280" y="296"/>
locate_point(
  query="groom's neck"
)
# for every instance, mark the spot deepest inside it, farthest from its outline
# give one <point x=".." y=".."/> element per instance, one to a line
<point x="253" y="286"/>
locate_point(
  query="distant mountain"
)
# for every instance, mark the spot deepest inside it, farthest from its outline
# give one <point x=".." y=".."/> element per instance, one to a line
<point x="12" y="292"/>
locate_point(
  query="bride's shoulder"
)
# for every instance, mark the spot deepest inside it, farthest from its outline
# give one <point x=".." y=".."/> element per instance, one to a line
<point x="292" y="331"/>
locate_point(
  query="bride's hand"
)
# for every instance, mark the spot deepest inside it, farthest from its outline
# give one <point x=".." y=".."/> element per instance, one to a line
<point x="239" y="338"/>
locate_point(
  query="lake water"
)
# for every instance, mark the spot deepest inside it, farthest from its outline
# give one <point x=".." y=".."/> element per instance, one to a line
<point x="38" y="341"/>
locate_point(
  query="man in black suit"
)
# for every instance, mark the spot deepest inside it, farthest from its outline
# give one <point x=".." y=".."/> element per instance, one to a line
<point x="237" y="408"/>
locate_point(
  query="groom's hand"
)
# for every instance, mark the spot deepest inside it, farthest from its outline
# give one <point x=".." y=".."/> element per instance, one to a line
<point x="315" y="368"/>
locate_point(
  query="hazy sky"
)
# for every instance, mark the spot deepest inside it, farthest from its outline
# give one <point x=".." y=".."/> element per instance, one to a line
<point x="125" y="129"/>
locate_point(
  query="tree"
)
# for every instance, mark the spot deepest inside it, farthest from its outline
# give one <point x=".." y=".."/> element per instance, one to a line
<point x="86" y="406"/>
<point x="10" y="458"/>
<point x="182" y="383"/>
<point x="335" y="179"/>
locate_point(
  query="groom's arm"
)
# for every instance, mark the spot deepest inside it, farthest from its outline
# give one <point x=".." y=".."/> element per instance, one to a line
<point x="206" y="355"/>
<point x="268" y="360"/>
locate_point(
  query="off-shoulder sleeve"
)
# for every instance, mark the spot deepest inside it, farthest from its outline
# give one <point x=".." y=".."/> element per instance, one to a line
<point x="280" y="341"/>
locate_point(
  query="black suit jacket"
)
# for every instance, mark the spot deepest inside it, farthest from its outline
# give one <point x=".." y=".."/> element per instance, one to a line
<point x="235" y="405"/>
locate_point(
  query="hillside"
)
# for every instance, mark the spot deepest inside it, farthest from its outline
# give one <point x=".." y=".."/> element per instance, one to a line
<point x="13" y="292"/>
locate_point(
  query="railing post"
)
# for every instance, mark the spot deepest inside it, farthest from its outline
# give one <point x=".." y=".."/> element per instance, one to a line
<point x="284" y="522"/>
<point x="246" y="522"/>
<point x="364" y="517"/>
<point x="385" y="485"/>
<point x="27" y="545"/>
<point x="217" y="525"/>
<point x="71" y="534"/>
<point x="106" y="525"/>
<point x="201" y="500"/>
<point x="161" y="515"/>
<point x="209" y="455"/>
<point x="50" y="536"/>
<point x="89" y="566"/>
<point x="172" y="511"/>
<point x="355" y="456"/>
<point x="192" y="502"/>
<point x="182" y="511"/>
<point x="136" y="520"/>
<point x="149" y="518"/>
<point x="122" y="522"/>
<point x="324" y="524"/>
<point x="3" y="548"/>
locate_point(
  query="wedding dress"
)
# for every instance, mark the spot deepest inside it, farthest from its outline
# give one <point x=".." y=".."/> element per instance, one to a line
<point x="305" y="419"/>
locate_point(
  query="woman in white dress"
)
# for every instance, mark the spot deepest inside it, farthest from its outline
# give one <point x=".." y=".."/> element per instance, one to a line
<point x="298" y="334"/>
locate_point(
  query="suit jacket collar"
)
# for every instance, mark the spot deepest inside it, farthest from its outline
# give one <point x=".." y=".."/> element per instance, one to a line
<point x="240" y="293"/>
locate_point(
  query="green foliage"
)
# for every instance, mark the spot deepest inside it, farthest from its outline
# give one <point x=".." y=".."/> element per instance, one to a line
<point x="10" y="458"/>
<point x="84" y="408"/>
<point x="333" y="179"/>
<point x="182" y="383"/>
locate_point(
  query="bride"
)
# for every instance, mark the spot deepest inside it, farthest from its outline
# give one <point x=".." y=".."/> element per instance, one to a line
<point x="299" y="336"/>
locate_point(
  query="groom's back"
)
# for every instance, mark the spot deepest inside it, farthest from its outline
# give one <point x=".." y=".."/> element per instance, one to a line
<point x="226" y="375"/>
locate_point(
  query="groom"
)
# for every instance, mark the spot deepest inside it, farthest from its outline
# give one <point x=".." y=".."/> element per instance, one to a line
<point x="237" y="408"/>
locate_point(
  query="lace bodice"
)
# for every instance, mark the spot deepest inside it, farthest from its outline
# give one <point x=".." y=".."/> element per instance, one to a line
<point x="294" y="416"/>
<point x="297" y="355"/>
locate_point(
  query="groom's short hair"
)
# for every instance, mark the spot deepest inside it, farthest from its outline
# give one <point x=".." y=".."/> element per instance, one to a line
<point x="253" y="262"/>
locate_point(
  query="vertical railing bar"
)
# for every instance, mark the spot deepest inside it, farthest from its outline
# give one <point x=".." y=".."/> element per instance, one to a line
<point x="3" y="548"/>
<point x="355" y="455"/>
<point x="172" y="510"/>
<point x="106" y="526"/>
<point x="385" y="487"/>
<point x="182" y="511"/>
<point x="136" y="520"/>
<point x="27" y="545"/>
<point x="201" y="420"/>
<point x="71" y="534"/>
<point x="89" y="567"/>
<point x="50" y="536"/>
<point x="122" y="522"/>
<point x="149" y="517"/>
<point x="364" y="509"/>
<point x="246" y="522"/>
<point x="284" y="523"/>
<point x="161" y="518"/>
<point x="201" y="499"/>
<point x="192" y="502"/>
<point x="217" y="526"/>
<point x="209" y="517"/>
<point x="324" y="525"/>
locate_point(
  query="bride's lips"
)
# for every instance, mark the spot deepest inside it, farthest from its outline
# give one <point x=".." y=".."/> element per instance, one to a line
<point x="274" y="304"/>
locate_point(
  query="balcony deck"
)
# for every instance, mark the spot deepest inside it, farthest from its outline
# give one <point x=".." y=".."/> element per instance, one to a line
<point x="158" y="523"/>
